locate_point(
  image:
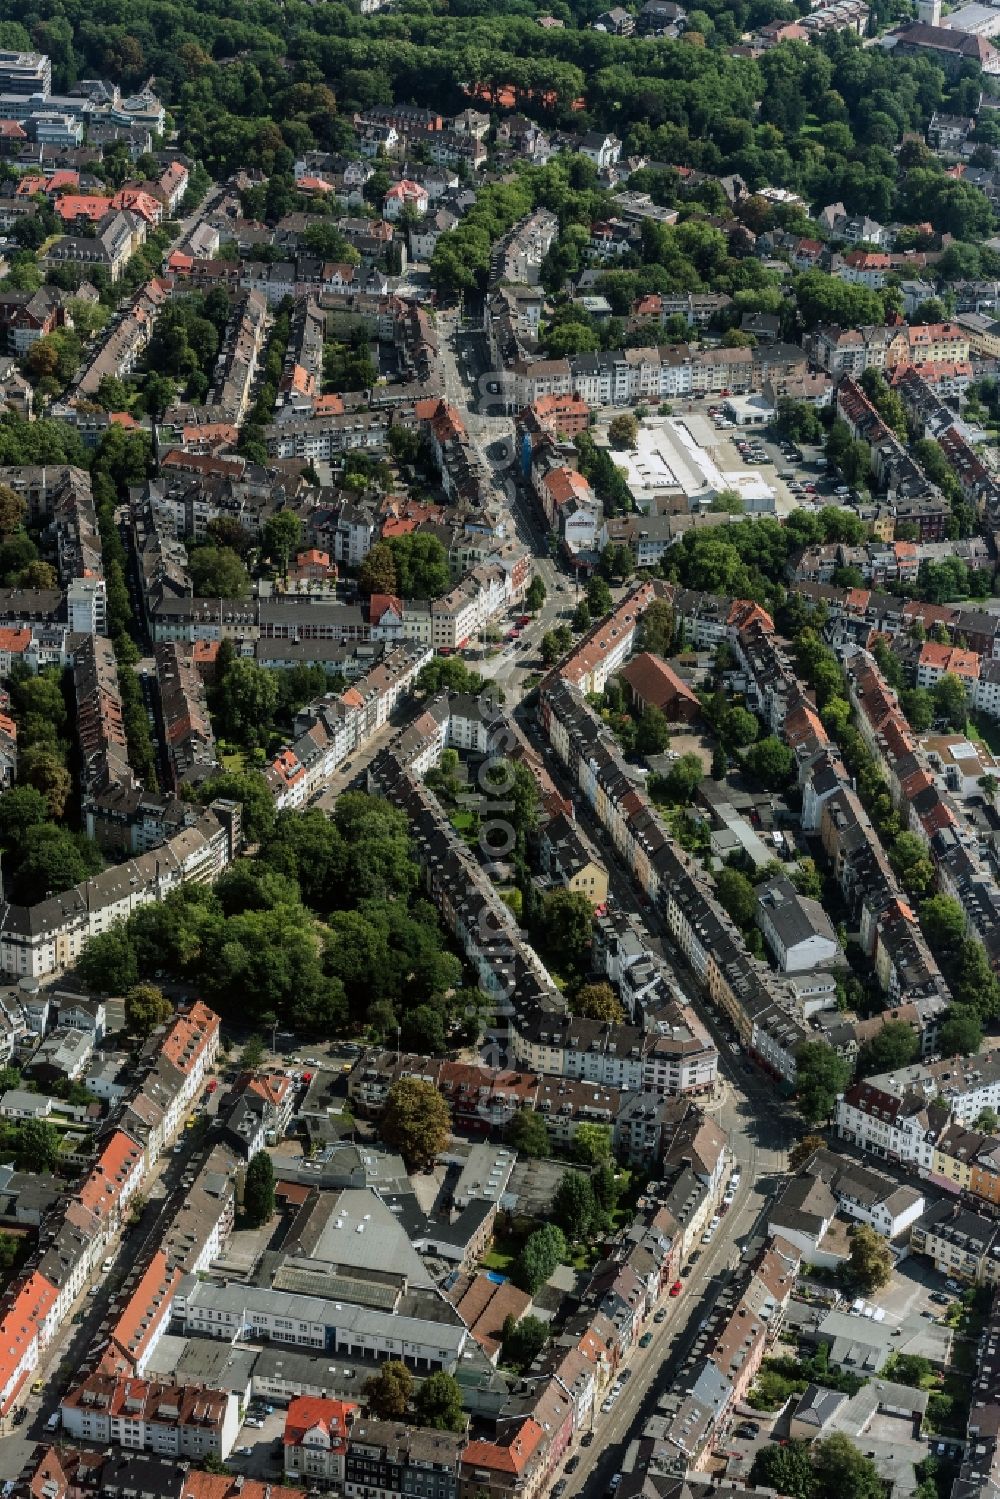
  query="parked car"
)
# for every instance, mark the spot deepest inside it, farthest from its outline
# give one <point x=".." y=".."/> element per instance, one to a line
<point x="676" y="1288"/>
<point x="939" y="1298"/>
<point x="573" y="1463"/>
<point x="587" y="1440"/>
<point x="748" y="1429"/>
<point x="645" y="1340"/>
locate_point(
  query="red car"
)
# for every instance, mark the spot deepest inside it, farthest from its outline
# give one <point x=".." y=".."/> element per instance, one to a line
<point x="676" y="1288"/>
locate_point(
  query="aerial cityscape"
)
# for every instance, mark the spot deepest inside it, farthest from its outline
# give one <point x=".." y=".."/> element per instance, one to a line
<point x="500" y="750"/>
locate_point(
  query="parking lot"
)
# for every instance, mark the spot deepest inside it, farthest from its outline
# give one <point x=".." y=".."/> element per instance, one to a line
<point x="259" y="1450"/>
<point x="740" y="1451"/>
<point x="795" y="474"/>
<point x="909" y="1292"/>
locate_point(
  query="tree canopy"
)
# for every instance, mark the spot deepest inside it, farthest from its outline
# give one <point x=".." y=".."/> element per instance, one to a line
<point x="415" y="1121"/>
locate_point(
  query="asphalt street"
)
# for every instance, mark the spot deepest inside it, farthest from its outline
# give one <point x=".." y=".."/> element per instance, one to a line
<point x="760" y="1128"/>
<point x="163" y="1192"/>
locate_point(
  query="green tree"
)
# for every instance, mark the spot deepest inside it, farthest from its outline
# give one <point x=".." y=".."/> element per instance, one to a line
<point x="592" y="1144"/>
<point x="423" y="1030"/>
<point x="821" y="1074"/>
<point x="737" y="896"/>
<point x="739" y="727"/>
<point x="389" y="1392"/>
<point x="786" y="1468"/>
<point x="566" y="924"/>
<point x="951" y="701"/>
<point x="42" y="768"/>
<point x="146" y="1007"/>
<point x="258" y="1190"/>
<point x="12" y="510"/>
<point x="574" y="1207"/>
<point x="623" y="430"/>
<point x="541" y="1253"/>
<point x="528" y="1134"/>
<point x="807" y="879"/>
<point x="599" y="600"/>
<point x="281" y="537"/>
<point x="438" y="1403"/>
<point x="246" y="701"/>
<point x="581" y="616"/>
<point x="910" y="1369"/>
<point x="684" y="777"/>
<point x="523" y="1341"/>
<point x="212" y="1463"/>
<point x="770" y="762"/>
<point x="943" y="922"/>
<point x="895" y="1045"/>
<point x="249" y="788"/>
<point x="551" y="648"/>
<point x="652" y="734"/>
<point x="415" y="1122"/>
<point x="909" y="858"/>
<point x="570" y="337"/>
<point x="605" y="1185"/>
<point x="158" y="395"/>
<point x="656" y="628"/>
<point x="535" y="596"/>
<point x="961" y="1033"/>
<point x="108" y="963"/>
<point x="252" y="1054"/>
<point x="377" y="573"/>
<point x="218" y="573"/>
<point x="870" y="1263"/>
<point x="841" y="1468"/>
<point x="421" y="565"/>
<point x="37" y="1146"/>
<point x="21" y="808"/>
<point x="918" y="705"/>
<point x="597" y="1002"/>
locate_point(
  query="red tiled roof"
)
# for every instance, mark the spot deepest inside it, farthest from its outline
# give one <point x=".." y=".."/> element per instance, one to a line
<point x="510" y="1459"/>
<point x="333" y="1417"/>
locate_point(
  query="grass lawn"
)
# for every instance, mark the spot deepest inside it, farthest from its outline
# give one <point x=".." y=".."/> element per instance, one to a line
<point x="503" y="1252"/>
<point x="236" y="762"/>
<point x="498" y="1259"/>
<point x="985" y="729"/>
<point x="463" y="821"/>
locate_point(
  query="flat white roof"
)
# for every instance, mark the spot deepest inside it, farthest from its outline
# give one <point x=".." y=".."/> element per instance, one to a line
<point x="668" y="457"/>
